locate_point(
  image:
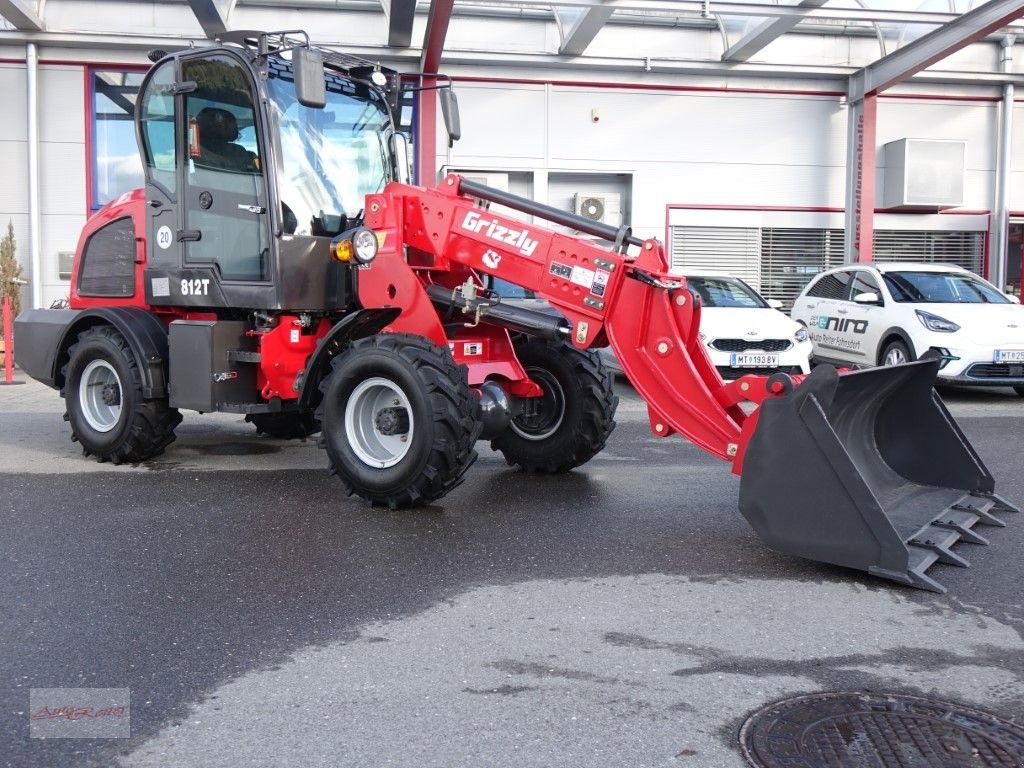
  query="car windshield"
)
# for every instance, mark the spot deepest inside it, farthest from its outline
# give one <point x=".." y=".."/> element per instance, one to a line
<point x="941" y="288"/>
<point x="725" y="292"/>
<point x="331" y="158"/>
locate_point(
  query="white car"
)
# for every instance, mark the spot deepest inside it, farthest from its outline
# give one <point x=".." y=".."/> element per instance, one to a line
<point x="744" y="332"/>
<point x="886" y="314"/>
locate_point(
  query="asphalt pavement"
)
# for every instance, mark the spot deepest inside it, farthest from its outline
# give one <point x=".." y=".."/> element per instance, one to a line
<point x="623" y="614"/>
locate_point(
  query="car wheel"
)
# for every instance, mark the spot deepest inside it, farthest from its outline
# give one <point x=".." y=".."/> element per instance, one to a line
<point x="1019" y="390"/>
<point x="895" y="353"/>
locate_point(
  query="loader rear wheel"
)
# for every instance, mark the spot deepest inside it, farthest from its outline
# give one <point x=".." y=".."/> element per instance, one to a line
<point x="109" y="416"/>
<point x="399" y="420"/>
<point x="571" y="422"/>
<point x="289" y="425"/>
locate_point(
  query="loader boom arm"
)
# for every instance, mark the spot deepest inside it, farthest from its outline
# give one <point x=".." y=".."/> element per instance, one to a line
<point x="609" y="296"/>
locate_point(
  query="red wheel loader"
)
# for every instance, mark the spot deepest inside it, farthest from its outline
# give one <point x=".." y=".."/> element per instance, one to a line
<point x="275" y="265"/>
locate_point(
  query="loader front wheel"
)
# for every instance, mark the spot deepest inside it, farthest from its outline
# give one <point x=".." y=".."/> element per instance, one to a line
<point x="109" y="416"/>
<point x="399" y="420"/>
<point x="571" y="422"/>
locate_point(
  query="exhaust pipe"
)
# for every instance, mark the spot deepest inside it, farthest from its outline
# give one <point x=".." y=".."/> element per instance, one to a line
<point x="867" y="470"/>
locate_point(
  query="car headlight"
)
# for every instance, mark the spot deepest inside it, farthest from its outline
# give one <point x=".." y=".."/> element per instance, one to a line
<point x="936" y="323"/>
<point x="801" y="334"/>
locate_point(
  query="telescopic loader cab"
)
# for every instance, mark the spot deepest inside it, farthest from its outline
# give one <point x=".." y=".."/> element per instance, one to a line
<point x="276" y="265"/>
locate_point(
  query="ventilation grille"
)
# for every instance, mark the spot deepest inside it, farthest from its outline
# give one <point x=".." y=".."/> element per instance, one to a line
<point x="108" y="261"/>
<point x="732" y="250"/>
<point x="964" y="249"/>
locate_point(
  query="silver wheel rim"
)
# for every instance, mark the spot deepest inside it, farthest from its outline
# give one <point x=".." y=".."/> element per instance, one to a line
<point x="99" y="395"/>
<point x="895" y="356"/>
<point x="554" y="397"/>
<point x="366" y="402"/>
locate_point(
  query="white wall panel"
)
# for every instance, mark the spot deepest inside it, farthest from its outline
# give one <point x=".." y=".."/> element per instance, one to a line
<point x="62" y="104"/>
<point x="13" y="178"/>
<point x="59" y="233"/>
<point x="500" y="121"/>
<point x="13" y="125"/>
<point x="696" y="127"/>
<point x="62" y="178"/>
<point x="145" y="16"/>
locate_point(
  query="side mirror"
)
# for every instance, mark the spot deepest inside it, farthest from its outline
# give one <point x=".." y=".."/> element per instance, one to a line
<point x="1012" y="297"/>
<point x="868" y="297"/>
<point x="774" y="303"/>
<point x="310" y="86"/>
<point x="450" y="113"/>
<point x="400" y="151"/>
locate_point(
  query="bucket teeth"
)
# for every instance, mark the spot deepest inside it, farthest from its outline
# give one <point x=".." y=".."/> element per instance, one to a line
<point x="942" y="550"/>
<point x="984" y="516"/>
<point x="965" y="533"/>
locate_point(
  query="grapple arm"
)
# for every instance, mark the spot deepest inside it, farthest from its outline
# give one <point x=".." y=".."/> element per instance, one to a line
<point x="865" y="470"/>
<point x="609" y="297"/>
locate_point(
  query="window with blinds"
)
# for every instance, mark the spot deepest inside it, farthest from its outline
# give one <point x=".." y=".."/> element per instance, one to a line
<point x="790" y="257"/>
<point x="732" y="250"/>
<point x="964" y="249"/>
<point x="780" y="261"/>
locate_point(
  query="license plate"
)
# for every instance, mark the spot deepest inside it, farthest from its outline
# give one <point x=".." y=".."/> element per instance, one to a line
<point x="1009" y="356"/>
<point x="752" y="360"/>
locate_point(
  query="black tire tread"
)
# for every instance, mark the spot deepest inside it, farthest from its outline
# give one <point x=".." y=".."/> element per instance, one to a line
<point x="153" y="420"/>
<point x="454" y="405"/>
<point x="590" y="431"/>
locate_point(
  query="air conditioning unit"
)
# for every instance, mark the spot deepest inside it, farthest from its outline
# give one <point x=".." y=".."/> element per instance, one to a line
<point x="923" y="174"/>
<point x="605" y="207"/>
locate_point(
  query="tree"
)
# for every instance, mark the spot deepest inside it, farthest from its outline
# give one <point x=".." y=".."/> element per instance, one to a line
<point x="10" y="271"/>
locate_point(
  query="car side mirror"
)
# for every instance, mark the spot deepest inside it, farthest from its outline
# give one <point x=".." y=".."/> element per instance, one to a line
<point x="869" y="297"/>
<point x="1012" y="297"/>
<point x="774" y="303"/>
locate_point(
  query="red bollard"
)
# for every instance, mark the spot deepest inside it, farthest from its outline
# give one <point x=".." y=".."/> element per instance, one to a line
<point x="8" y="343"/>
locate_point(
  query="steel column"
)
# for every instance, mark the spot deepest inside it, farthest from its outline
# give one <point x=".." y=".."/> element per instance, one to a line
<point x="766" y="32"/>
<point x="1001" y="219"/>
<point x="21" y="16"/>
<point x="860" y="180"/>
<point x="426" y="105"/>
<point x="34" y="221"/>
<point x="400" y="15"/>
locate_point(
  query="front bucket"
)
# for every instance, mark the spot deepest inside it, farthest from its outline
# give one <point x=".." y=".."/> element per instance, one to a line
<point x="867" y="470"/>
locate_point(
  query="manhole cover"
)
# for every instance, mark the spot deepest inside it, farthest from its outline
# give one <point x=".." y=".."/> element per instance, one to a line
<point x="859" y="730"/>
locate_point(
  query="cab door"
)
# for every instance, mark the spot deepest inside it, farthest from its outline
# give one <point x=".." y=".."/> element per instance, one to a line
<point x="158" y="131"/>
<point x="225" y="228"/>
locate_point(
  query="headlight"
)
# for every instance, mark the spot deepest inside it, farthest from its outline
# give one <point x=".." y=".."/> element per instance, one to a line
<point x="936" y="323"/>
<point x="365" y="243"/>
<point x="801" y="334"/>
<point x="358" y="245"/>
